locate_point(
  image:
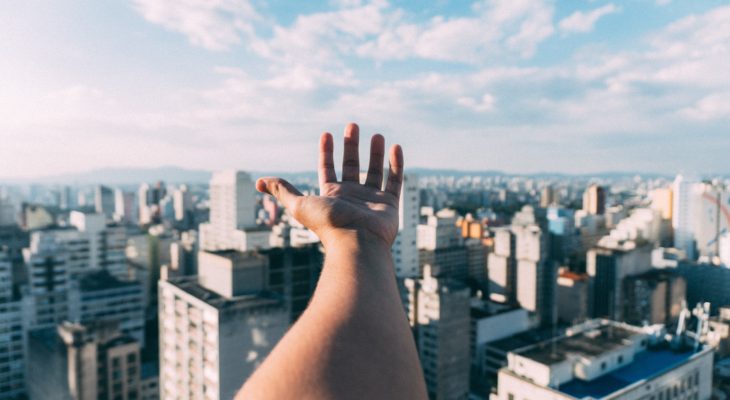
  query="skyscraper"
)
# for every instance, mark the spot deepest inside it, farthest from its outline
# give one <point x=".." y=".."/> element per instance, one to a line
<point x="104" y="201"/>
<point x="440" y="316"/>
<point x="685" y="203"/>
<point x="232" y="223"/>
<point x="405" y="250"/>
<point x="83" y="361"/>
<point x="594" y="200"/>
<point x="12" y="344"/>
<point x="216" y="329"/>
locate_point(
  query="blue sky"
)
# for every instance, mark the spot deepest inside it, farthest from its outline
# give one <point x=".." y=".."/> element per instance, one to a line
<point x="514" y="85"/>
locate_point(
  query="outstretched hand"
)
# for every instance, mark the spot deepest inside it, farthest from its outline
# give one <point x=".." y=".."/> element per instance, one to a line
<point x="348" y="207"/>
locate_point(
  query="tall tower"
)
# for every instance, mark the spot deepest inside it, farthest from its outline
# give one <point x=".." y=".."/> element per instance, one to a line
<point x="214" y="331"/>
<point x="232" y="223"/>
<point x="594" y="200"/>
<point x="441" y="319"/>
<point x="686" y="198"/>
<point x="405" y="251"/>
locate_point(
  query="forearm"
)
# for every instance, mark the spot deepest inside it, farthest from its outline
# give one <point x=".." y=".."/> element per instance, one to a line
<point x="353" y="341"/>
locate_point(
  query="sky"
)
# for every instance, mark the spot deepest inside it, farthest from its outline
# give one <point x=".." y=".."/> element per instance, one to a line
<point x="514" y="85"/>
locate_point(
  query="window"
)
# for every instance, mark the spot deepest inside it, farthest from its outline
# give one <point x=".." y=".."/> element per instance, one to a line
<point x="620" y="359"/>
<point x="603" y="366"/>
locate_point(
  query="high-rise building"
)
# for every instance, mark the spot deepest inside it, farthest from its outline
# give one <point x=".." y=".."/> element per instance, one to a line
<point x="216" y="329"/>
<point x="548" y="196"/>
<point x="293" y="274"/>
<point x="83" y="361"/>
<point x="439" y="231"/>
<point x="104" y="201"/>
<point x="536" y="274"/>
<point x="440" y="315"/>
<point x="125" y="208"/>
<point x="607" y="267"/>
<point x="232" y="223"/>
<point x="594" y="200"/>
<point x="107" y="243"/>
<point x="686" y="196"/>
<point x="654" y="297"/>
<point x="405" y="249"/>
<point x="99" y="296"/>
<point x="571" y="297"/>
<point x="7" y="213"/>
<point x="603" y="359"/>
<point x="46" y="300"/>
<point x="502" y="266"/>
<point x="182" y="203"/>
<point x="12" y="342"/>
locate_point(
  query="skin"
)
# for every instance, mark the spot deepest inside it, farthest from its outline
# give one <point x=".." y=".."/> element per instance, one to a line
<point x="353" y="341"/>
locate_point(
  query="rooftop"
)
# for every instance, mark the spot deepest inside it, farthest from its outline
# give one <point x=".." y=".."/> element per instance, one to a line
<point x="646" y="364"/>
<point x="191" y="286"/>
<point x="102" y="280"/>
<point x="590" y="343"/>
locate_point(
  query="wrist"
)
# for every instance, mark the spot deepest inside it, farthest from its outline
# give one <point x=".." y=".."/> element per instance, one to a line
<point x="354" y="241"/>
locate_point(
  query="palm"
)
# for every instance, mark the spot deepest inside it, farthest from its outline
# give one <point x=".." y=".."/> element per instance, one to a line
<point x="350" y="205"/>
<point x="347" y="205"/>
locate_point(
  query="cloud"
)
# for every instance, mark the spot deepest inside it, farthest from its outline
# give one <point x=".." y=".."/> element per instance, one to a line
<point x="212" y="24"/>
<point x="498" y="26"/>
<point x="663" y="2"/>
<point x="582" y="22"/>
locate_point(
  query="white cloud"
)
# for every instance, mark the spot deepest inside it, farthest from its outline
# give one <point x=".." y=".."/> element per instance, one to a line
<point x="486" y="103"/>
<point x="582" y="22"/>
<point x="211" y="24"/>
<point x="663" y="2"/>
<point x="498" y="25"/>
<point x="714" y="106"/>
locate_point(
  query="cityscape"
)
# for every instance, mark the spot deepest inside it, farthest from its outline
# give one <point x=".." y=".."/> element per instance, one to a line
<point x="563" y="220"/>
<point x="514" y="286"/>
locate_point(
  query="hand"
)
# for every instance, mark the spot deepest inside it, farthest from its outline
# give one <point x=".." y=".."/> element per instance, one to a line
<point x="347" y="208"/>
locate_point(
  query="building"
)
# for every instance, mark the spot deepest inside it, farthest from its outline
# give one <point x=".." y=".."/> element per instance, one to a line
<point x="216" y="329"/>
<point x="603" y="359"/>
<point x="83" y="361"/>
<point x="502" y="266"/>
<point x="104" y="201"/>
<point x="706" y="283"/>
<point x="182" y="204"/>
<point x="405" y="249"/>
<point x="99" y="296"/>
<point x="439" y="231"/>
<point x="686" y="198"/>
<point x="548" y="196"/>
<point x="607" y="267"/>
<point x="125" y="207"/>
<point x="12" y="342"/>
<point x="107" y="242"/>
<point x="293" y="274"/>
<point x="232" y="223"/>
<point x="594" y="200"/>
<point x="572" y="297"/>
<point x="441" y="320"/>
<point x="46" y="297"/>
<point x="654" y="297"/>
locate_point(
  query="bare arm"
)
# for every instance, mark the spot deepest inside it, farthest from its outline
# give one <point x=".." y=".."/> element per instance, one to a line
<point x="353" y="341"/>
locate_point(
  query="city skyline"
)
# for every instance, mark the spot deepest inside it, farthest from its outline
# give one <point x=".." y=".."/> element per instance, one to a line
<point x="512" y="86"/>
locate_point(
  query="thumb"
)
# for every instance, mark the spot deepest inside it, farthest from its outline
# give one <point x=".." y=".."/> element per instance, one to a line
<point x="284" y="191"/>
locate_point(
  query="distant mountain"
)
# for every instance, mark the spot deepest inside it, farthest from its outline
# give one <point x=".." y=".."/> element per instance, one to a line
<point x="127" y="176"/>
<point x="134" y="176"/>
<point x="172" y="174"/>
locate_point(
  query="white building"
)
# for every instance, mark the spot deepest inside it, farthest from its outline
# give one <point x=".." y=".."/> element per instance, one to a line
<point x="107" y="243"/>
<point x="440" y="231"/>
<point x="46" y="301"/>
<point x="99" y="296"/>
<point x="440" y="314"/>
<point x="607" y="360"/>
<point x="405" y="249"/>
<point x="125" y="208"/>
<point x="215" y="330"/>
<point x="232" y="223"/>
<point x="686" y="201"/>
